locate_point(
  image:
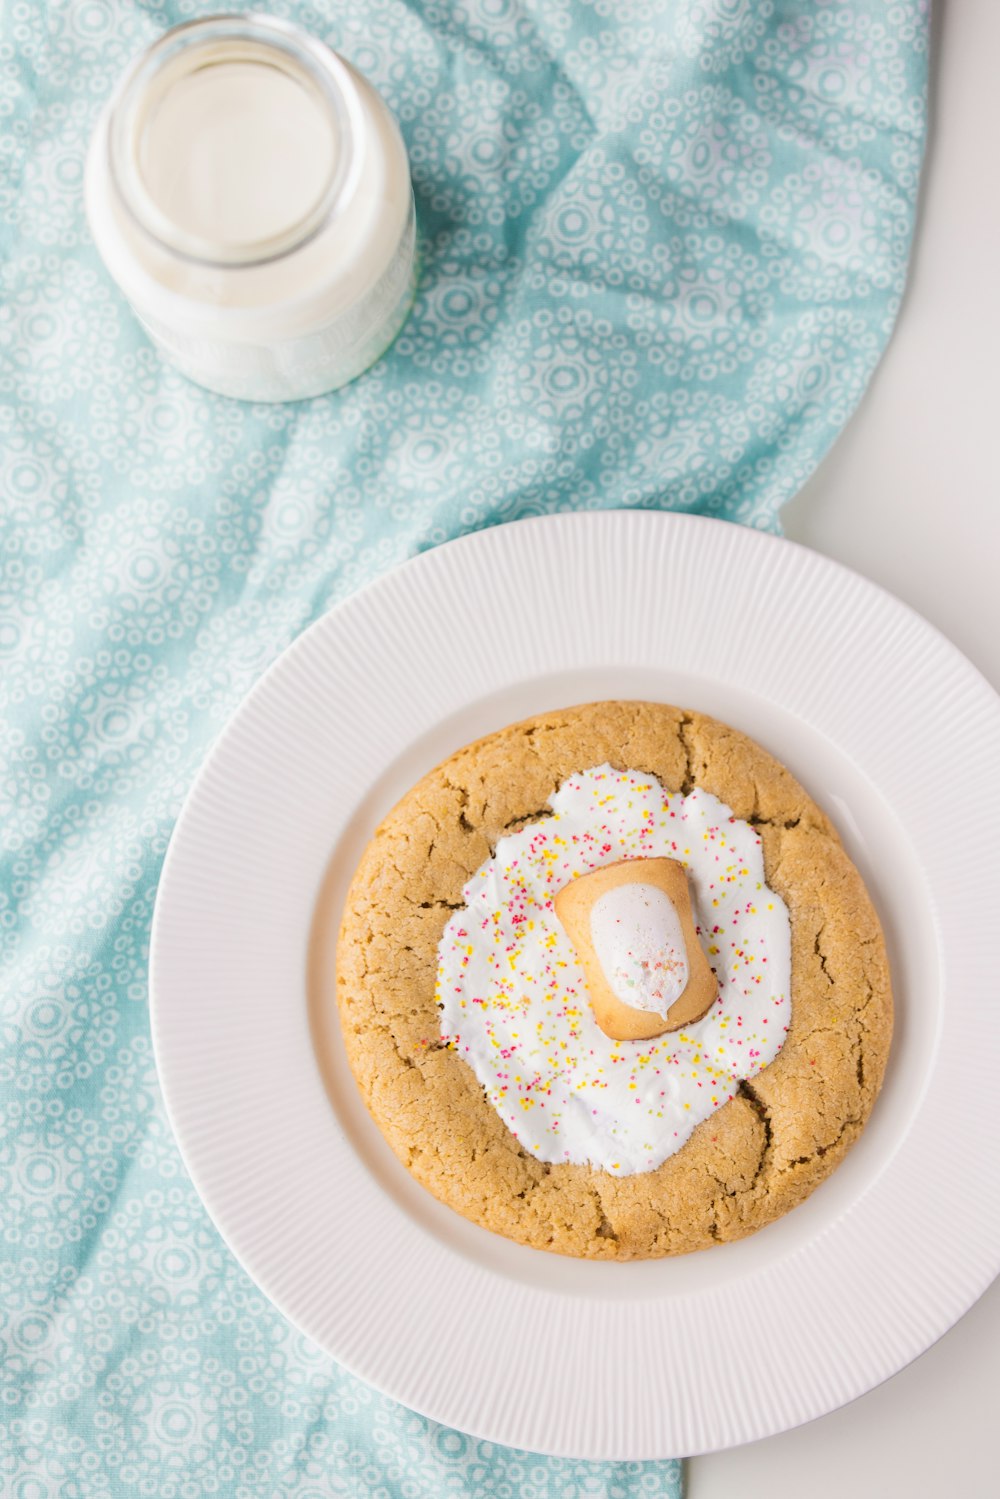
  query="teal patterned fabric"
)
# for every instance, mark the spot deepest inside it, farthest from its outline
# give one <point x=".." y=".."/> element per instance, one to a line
<point x="664" y="242"/>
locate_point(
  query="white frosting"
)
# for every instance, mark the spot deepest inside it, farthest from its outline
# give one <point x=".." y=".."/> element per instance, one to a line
<point x="638" y="940"/>
<point x="514" y="1002"/>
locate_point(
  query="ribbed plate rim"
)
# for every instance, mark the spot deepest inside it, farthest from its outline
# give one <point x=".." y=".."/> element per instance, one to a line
<point x="587" y="537"/>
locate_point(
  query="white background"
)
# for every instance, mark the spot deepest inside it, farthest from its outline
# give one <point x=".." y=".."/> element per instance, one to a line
<point x="910" y="496"/>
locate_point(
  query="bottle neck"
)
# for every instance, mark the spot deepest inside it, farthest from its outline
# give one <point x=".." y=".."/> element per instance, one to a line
<point x="231" y="141"/>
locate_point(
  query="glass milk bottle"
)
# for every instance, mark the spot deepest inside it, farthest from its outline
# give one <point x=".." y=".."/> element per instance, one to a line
<point x="250" y="193"/>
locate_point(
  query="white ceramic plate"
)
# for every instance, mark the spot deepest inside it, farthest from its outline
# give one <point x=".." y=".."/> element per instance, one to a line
<point x="886" y="724"/>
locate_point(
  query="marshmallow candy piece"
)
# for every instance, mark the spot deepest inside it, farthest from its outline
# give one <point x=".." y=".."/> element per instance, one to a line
<point x="633" y="929"/>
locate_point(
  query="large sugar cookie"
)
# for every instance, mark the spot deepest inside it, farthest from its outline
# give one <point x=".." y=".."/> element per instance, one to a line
<point x="777" y="1126"/>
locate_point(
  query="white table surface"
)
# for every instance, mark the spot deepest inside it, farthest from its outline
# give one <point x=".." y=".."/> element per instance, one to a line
<point x="910" y="496"/>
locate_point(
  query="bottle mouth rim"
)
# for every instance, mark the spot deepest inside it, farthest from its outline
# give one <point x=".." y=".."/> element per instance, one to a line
<point x="260" y="39"/>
